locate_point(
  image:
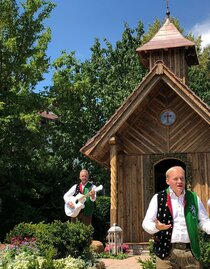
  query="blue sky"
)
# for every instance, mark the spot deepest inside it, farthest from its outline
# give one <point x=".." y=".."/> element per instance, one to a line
<point x="76" y="23"/>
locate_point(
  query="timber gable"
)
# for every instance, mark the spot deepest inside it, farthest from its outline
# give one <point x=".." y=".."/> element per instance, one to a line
<point x="160" y="81"/>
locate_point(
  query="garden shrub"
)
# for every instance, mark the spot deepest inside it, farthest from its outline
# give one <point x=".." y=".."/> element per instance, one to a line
<point x="205" y="250"/>
<point x="22" y="230"/>
<point x="61" y="238"/>
<point x="27" y="261"/>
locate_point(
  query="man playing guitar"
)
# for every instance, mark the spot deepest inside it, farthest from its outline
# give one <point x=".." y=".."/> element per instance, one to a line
<point x="85" y="188"/>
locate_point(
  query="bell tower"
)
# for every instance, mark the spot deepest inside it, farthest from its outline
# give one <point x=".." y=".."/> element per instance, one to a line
<point x="172" y="48"/>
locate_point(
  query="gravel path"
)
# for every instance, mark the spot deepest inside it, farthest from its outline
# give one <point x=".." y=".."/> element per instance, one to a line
<point x="131" y="262"/>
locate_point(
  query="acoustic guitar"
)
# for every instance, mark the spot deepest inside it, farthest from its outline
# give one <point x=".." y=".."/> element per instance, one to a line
<point x="78" y="202"/>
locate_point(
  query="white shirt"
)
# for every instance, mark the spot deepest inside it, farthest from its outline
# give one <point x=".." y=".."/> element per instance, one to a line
<point x="67" y="196"/>
<point x="179" y="233"/>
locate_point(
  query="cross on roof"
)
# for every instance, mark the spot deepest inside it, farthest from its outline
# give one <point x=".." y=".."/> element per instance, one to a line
<point x="167" y="8"/>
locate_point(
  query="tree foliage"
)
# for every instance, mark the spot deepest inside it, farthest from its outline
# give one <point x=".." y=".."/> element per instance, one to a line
<point x="23" y="60"/>
<point x="199" y="76"/>
<point x="86" y="94"/>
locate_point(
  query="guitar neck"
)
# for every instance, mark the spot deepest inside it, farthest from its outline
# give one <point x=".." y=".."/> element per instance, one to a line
<point x="88" y="194"/>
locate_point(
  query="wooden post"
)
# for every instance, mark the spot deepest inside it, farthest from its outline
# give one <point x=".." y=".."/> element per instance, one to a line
<point x="113" y="165"/>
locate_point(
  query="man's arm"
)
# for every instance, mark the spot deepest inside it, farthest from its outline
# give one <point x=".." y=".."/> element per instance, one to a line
<point x="67" y="196"/>
<point x="204" y="221"/>
<point x="149" y="222"/>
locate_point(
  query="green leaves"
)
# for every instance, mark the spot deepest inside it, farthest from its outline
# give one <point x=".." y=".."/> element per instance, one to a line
<point x="30" y="121"/>
<point x="23" y="60"/>
<point x="199" y="76"/>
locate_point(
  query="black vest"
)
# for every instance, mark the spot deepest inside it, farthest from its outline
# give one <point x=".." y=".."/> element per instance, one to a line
<point x="162" y="239"/>
<point x="77" y="189"/>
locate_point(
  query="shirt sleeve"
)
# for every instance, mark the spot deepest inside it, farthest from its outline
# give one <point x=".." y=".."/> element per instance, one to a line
<point x="148" y="223"/>
<point x="204" y="221"/>
<point x="67" y="196"/>
<point x="93" y="199"/>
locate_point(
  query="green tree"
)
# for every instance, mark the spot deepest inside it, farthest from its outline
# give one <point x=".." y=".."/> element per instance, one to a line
<point x="23" y="60"/>
<point x="87" y="93"/>
<point x="199" y="76"/>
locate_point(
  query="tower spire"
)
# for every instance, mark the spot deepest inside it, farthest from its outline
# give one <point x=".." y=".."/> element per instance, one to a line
<point x="167" y="9"/>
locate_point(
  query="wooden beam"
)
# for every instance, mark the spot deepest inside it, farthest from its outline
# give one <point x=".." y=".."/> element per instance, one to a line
<point x="113" y="166"/>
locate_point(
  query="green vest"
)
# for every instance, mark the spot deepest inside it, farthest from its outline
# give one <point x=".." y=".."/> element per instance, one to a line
<point x="191" y="216"/>
<point x="89" y="205"/>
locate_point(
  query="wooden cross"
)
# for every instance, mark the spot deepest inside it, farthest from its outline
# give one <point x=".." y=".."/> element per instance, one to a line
<point x="167" y="116"/>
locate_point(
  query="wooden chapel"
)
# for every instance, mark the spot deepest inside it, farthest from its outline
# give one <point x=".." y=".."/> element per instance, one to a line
<point x="161" y="124"/>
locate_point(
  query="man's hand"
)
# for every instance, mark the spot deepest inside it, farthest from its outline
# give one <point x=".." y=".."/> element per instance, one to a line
<point x="161" y="226"/>
<point x="92" y="194"/>
<point x="71" y="205"/>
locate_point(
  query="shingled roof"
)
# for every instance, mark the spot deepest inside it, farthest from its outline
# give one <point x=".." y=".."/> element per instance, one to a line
<point x="169" y="37"/>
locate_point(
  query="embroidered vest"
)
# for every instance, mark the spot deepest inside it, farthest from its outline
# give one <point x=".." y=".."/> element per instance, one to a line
<point x="162" y="239"/>
<point x="89" y="205"/>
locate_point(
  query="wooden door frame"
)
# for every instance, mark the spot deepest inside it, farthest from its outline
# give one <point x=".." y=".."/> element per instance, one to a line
<point x="157" y="159"/>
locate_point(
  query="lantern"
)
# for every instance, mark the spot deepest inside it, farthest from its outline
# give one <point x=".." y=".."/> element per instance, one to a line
<point x="115" y="239"/>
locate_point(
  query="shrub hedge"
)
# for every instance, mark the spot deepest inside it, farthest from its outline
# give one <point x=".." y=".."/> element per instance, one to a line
<point x="62" y="238"/>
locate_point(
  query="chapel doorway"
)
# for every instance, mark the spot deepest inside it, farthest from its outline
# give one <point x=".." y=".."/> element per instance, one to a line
<point x="160" y="169"/>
